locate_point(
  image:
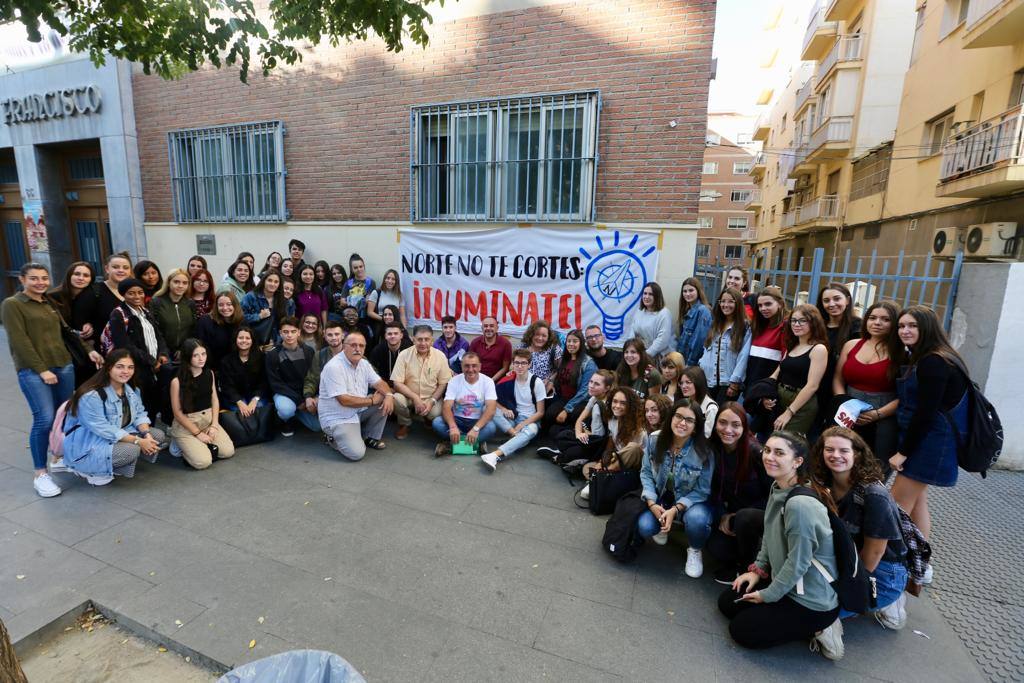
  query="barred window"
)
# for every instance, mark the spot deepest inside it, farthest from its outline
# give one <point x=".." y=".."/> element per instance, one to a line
<point x="228" y="174"/>
<point x="530" y="158"/>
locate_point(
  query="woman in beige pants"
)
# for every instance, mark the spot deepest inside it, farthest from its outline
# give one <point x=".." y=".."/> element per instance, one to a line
<point x="196" y="434"/>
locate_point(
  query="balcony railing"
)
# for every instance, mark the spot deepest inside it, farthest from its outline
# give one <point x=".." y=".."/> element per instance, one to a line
<point x="998" y="141"/>
<point x="816" y="22"/>
<point x="755" y="198"/>
<point x="847" y="49"/>
<point x="805" y="91"/>
<point x="835" y="129"/>
<point x="824" y="208"/>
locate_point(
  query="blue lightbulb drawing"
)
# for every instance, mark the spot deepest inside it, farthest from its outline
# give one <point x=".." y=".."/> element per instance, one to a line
<point x="614" y="281"/>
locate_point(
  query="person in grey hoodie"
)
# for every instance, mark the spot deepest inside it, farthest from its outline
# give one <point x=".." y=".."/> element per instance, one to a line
<point x="784" y="595"/>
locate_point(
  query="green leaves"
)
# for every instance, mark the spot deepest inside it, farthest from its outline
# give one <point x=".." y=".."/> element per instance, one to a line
<point x="172" y="37"/>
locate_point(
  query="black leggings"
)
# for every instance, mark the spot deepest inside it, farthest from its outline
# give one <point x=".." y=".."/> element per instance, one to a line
<point x="771" y="623"/>
<point x="739" y="550"/>
<point x="571" y="449"/>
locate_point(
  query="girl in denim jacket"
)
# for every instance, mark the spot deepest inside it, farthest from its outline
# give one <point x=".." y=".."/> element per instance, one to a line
<point x="727" y="348"/>
<point x="694" y="321"/>
<point x="676" y="477"/>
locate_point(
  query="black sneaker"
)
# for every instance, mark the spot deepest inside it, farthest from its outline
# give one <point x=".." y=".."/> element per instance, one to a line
<point x="442" y="449"/>
<point x="548" y="452"/>
<point x="725" y="576"/>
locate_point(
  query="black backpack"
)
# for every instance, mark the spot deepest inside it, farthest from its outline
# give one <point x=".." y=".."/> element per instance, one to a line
<point x="854" y="587"/>
<point x="620" y="531"/>
<point x="980" y="447"/>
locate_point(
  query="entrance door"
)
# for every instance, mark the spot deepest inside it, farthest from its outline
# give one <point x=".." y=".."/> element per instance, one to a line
<point x="15" y="249"/>
<point x="90" y="232"/>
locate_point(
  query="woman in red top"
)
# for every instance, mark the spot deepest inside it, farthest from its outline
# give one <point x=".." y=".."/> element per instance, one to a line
<point x="867" y="370"/>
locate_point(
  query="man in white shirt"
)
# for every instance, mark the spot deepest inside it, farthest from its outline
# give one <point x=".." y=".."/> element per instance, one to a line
<point x="522" y="406"/>
<point x="351" y="420"/>
<point x="469" y="404"/>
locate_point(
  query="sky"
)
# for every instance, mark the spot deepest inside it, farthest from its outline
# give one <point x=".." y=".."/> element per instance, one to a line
<point x="738" y="36"/>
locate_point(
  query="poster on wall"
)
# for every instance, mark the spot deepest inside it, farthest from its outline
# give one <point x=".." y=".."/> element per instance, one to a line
<point x="35" y="225"/>
<point x="571" y="278"/>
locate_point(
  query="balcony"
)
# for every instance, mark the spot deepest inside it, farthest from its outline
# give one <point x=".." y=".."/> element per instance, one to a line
<point x="831" y="140"/>
<point x="986" y="159"/>
<point x="760" y="166"/>
<point x="819" y="36"/>
<point x="801" y="165"/>
<point x="839" y="10"/>
<point x="991" y="23"/>
<point x="847" y="51"/>
<point x="762" y="127"/>
<point x="804" y="95"/>
<point x="755" y="200"/>
<point x="823" y="212"/>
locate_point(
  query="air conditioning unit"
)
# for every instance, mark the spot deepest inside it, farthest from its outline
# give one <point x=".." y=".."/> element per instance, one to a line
<point x="946" y="241"/>
<point x="985" y="240"/>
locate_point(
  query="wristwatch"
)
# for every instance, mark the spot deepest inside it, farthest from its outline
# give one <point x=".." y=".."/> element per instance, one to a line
<point x="137" y="441"/>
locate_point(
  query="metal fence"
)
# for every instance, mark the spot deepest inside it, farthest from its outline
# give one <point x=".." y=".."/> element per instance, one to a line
<point x="903" y="279"/>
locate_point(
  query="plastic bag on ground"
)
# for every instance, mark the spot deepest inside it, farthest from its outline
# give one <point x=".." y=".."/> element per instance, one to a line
<point x="296" y="666"/>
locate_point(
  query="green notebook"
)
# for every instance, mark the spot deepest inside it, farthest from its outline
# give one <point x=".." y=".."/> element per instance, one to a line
<point x="464" y="448"/>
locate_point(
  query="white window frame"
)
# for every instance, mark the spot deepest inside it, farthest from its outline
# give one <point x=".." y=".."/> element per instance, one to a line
<point x="195" y="190"/>
<point x="742" y="167"/>
<point x="703" y="250"/>
<point x="705" y="222"/>
<point x="501" y="203"/>
<point x="708" y="195"/>
<point x="710" y="168"/>
<point x="936" y="132"/>
<point x="731" y="223"/>
<point x="741" y="196"/>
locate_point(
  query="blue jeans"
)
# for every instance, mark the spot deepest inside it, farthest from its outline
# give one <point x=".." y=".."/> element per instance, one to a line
<point x="43" y="400"/>
<point x="502" y="424"/>
<point x="286" y="410"/>
<point x="890" y="582"/>
<point x="465" y="425"/>
<point x="696" y="519"/>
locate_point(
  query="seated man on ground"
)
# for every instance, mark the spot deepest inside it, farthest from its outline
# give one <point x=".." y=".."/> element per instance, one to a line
<point x="452" y="344"/>
<point x="419" y="377"/>
<point x="469" y="404"/>
<point x="604" y="358"/>
<point x="352" y="420"/>
<point x="287" y="365"/>
<point x="385" y="353"/>
<point x="521" y="399"/>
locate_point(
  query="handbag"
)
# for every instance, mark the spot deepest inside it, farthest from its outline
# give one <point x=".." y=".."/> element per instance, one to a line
<point x="72" y="342"/>
<point x="606" y="488"/>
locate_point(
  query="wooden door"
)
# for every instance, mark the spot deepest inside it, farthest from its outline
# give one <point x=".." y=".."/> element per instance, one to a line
<point x="14" y="247"/>
<point x="90" y="235"/>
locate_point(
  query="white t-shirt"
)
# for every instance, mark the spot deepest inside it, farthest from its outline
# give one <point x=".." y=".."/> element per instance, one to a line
<point x="382" y="299"/>
<point x="339" y="377"/>
<point x="468" y="399"/>
<point x="525" y="403"/>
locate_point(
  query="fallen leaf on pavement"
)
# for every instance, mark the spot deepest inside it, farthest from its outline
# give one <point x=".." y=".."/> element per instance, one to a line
<point x="161" y="649"/>
<point x="177" y="622"/>
<point x="252" y="643"/>
<point x="260" y="620"/>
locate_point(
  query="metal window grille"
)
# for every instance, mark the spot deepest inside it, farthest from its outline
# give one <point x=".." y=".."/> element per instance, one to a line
<point x="531" y="158"/>
<point x="85" y="168"/>
<point x="228" y="174"/>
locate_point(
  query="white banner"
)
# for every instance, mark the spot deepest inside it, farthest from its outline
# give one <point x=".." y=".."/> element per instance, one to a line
<point x="571" y="278"/>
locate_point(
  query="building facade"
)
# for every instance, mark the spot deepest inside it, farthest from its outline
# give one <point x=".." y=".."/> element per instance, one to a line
<point x="70" y="180"/>
<point x="726" y="191"/>
<point x="583" y="113"/>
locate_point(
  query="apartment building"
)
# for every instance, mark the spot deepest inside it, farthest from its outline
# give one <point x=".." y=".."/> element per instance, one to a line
<point x="845" y="105"/>
<point x="957" y="159"/>
<point x="572" y="113"/>
<point x="727" y="192"/>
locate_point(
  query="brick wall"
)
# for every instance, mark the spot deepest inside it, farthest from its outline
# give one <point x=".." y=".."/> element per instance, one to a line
<point x="347" y="109"/>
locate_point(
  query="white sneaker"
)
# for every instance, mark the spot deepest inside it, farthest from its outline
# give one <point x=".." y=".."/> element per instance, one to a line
<point x="287" y="432"/>
<point x="96" y="481"/>
<point x="694" y="563"/>
<point x="57" y="466"/>
<point x="174" y="449"/>
<point x="893" y="616"/>
<point x="45" y="486"/>
<point x="585" y="493"/>
<point x="491" y="460"/>
<point x="830" y="642"/>
<point x="661" y="538"/>
<point x="927" y="579"/>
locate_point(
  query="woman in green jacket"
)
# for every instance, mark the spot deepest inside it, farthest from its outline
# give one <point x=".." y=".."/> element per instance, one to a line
<point x="175" y="313"/>
<point x="784" y="595"/>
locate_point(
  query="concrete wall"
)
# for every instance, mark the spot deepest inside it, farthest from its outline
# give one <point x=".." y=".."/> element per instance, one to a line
<point x="988" y="324"/>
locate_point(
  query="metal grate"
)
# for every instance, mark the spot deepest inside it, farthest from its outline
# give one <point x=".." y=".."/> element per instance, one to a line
<point x="85" y="168"/>
<point x="228" y="174"/>
<point x="531" y="158"/>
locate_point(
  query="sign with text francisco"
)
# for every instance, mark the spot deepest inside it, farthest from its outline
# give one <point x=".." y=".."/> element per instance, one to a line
<point x="571" y="278"/>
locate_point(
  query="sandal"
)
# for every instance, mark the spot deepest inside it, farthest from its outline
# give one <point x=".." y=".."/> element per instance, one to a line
<point x="375" y="444"/>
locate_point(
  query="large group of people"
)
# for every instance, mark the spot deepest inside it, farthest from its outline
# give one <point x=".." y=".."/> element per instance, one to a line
<point x="722" y="413"/>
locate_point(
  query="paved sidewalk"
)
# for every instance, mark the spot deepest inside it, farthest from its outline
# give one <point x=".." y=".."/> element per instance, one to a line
<point x="412" y="569"/>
